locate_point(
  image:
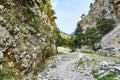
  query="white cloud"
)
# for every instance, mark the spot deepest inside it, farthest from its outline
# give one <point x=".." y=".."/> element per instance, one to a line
<point x="54" y="3"/>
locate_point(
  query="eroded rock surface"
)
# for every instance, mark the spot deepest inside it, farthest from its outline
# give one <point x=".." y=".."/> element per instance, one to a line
<point x="25" y="36"/>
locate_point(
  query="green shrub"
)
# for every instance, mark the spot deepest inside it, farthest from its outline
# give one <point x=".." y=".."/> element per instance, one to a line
<point x="35" y="76"/>
<point x="110" y="76"/>
<point x="91" y="36"/>
<point x="2" y="74"/>
<point x="29" y="3"/>
<point x="88" y="37"/>
<point x="87" y="51"/>
<point x="104" y="25"/>
<point x="78" y="35"/>
<point x="71" y="43"/>
<point x="8" y="74"/>
<point x="79" y="63"/>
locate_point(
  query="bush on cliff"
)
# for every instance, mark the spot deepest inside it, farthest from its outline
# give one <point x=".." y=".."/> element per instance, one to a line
<point x="104" y="25"/>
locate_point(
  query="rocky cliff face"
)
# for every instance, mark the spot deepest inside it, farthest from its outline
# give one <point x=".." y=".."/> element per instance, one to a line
<point x="105" y="9"/>
<point x="112" y="39"/>
<point x="101" y="8"/>
<point x="110" y="43"/>
<point x="26" y="31"/>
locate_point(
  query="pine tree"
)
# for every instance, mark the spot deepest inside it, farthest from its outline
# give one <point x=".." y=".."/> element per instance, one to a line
<point x="78" y="35"/>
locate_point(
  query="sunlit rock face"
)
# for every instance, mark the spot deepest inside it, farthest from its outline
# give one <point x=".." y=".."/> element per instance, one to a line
<point x="25" y="36"/>
<point x="112" y="39"/>
<point x="101" y="9"/>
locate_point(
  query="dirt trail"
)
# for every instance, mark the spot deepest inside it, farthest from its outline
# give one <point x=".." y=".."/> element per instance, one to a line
<point x="61" y="67"/>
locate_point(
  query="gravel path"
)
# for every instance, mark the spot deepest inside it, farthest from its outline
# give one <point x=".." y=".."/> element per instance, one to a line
<point x="61" y="67"/>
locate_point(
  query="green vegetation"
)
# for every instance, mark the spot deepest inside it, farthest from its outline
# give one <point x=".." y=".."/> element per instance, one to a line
<point x="64" y="41"/>
<point x="88" y="37"/>
<point x="8" y="74"/>
<point x="27" y="3"/>
<point x="71" y="43"/>
<point x="91" y="36"/>
<point x="59" y="41"/>
<point x="35" y="76"/>
<point x="110" y="76"/>
<point x="104" y="25"/>
<point x="118" y="41"/>
<point x="79" y="63"/>
<point x="89" y="51"/>
<point x="79" y="36"/>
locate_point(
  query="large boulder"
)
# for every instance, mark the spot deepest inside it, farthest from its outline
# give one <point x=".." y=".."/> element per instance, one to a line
<point x="112" y="39"/>
<point x="97" y="46"/>
<point x="111" y="42"/>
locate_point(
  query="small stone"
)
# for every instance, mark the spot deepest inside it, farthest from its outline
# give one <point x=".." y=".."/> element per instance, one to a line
<point x="117" y="68"/>
<point x="117" y="78"/>
<point x="1" y="18"/>
<point x="103" y="63"/>
<point x="1" y="54"/>
<point x="1" y="6"/>
<point x="101" y="72"/>
<point x="97" y="46"/>
<point x="43" y="39"/>
<point x="1" y="67"/>
<point x="112" y="70"/>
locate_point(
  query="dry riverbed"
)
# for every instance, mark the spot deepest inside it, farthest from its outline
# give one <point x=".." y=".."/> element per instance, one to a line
<point x="79" y="66"/>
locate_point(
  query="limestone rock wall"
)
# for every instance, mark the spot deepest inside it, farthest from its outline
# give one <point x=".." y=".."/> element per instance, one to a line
<point x="112" y="39"/>
<point x="25" y="37"/>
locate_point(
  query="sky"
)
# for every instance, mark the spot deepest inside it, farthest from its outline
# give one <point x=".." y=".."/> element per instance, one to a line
<point x="68" y="13"/>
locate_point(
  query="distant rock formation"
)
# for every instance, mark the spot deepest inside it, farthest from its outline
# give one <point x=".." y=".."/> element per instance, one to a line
<point x="101" y="9"/>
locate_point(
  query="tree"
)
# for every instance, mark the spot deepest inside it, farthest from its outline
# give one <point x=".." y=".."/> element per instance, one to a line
<point x="104" y="25"/>
<point x="91" y="5"/>
<point x="83" y="15"/>
<point x="71" y="43"/>
<point x="78" y="35"/>
<point x="91" y="36"/>
<point x="29" y="3"/>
